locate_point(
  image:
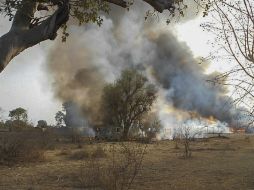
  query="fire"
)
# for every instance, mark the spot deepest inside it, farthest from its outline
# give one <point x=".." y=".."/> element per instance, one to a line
<point x="211" y="120"/>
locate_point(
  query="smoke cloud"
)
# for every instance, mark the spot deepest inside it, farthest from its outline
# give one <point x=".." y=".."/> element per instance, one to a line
<point x="93" y="56"/>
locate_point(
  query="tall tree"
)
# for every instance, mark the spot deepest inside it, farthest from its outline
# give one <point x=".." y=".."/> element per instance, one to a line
<point x="34" y="21"/>
<point x="18" y="114"/>
<point x="60" y="119"/>
<point x="1" y="113"/>
<point x="127" y="100"/>
<point x="233" y="24"/>
<point x="42" y="124"/>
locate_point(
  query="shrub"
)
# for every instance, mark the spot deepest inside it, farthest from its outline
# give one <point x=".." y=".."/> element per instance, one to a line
<point x="16" y="147"/>
<point x="80" y="155"/>
<point x="99" y="153"/>
<point x="118" y="171"/>
<point x="89" y="176"/>
<point x="64" y="152"/>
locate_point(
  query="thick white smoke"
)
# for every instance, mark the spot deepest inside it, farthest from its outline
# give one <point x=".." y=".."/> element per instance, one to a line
<point x="95" y="55"/>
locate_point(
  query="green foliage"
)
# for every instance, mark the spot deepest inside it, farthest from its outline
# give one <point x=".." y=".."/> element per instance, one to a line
<point x="18" y="114"/>
<point x="86" y="11"/>
<point x="42" y="124"/>
<point x="60" y="118"/>
<point x="126" y="101"/>
<point x="82" y="11"/>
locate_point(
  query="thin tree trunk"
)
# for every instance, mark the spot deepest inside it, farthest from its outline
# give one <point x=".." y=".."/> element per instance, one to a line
<point x="125" y="133"/>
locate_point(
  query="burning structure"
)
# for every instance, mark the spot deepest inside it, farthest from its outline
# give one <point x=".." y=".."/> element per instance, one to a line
<point x="95" y="56"/>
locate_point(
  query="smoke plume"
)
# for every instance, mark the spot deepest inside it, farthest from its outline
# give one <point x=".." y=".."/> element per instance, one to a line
<point x="93" y="56"/>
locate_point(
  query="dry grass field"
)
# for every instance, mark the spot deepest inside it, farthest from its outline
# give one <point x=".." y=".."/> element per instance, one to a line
<point x="216" y="164"/>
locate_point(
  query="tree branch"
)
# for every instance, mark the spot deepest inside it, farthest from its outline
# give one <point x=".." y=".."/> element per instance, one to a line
<point x="120" y="3"/>
<point x="159" y="5"/>
<point x="20" y="37"/>
<point x="24" y="15"/>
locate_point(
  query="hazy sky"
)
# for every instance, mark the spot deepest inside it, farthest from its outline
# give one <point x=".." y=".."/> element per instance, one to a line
<point x="24" y="83"/>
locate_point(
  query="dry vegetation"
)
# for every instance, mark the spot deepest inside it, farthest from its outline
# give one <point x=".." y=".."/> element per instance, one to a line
<point x="216" y="163"/>
<point x="25" y="146"/>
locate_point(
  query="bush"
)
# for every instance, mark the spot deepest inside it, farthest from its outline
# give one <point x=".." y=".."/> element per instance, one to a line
<point x="89" y="176"/>
<point x="80" y="155"/>
<point x="64" y="152"/>
<point x="118" y="171"/>
<point x="99" y="153"/>
<point x="16" y="147"/>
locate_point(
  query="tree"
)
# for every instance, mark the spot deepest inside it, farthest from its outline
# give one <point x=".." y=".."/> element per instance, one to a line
<point x="42" y="124"/>
<point x="1" y="113"/>
<point x="60" y="118"/>
<point x="185" y="136"/>
<point x="34" y="21"/>
<point x="127" y="100"/>
<point x="1" y="118"/>
<point x="18" y="119"/>
<point x="151" y="126"/>
<point x="18" y="114"/>
<point x="233" y="25"/>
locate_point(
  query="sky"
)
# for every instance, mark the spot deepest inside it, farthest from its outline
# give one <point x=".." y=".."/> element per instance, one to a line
<point x="24" y="83"/>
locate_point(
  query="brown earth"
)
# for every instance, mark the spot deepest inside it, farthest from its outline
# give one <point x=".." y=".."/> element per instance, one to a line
<point x="216" y="164"/>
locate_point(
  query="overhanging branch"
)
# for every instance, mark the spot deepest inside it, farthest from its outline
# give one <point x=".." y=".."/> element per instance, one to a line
<point x="159" y="5"/>
<point x="21" y="36"/>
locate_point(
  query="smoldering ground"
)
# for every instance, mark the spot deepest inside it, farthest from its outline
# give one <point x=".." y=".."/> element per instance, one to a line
<point x="93" y="56"/>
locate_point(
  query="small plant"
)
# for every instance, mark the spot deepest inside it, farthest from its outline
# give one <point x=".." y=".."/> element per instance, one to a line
<point x="118" y="170"/>
<point x="184" y="136"/>
<point x="64" y="152"/>
<point x="16" y="147"/>
<point x="99" y="153"/>
<point x="80" y="155"/>
<point x="79" y="146"/>
<point x="75" y="136"/>
<point x="247" y="139"/>
<point x="176" y="139"/>
<point x="90" y="175"/>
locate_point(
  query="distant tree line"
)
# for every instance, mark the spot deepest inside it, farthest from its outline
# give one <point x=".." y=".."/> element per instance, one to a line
<point x="125" y="110"/>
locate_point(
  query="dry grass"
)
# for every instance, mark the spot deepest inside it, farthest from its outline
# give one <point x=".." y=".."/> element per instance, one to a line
<point x="80" y="155"/>
<point x="16" y="147"/>
<point x="223" y="164"/>
<point x="64" y="152"/>
<point x="99" y="152"/>
<point x="117" y="172"/>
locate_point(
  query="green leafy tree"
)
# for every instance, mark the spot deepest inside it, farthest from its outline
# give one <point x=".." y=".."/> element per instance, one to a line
<point x="42" y="124"/>
<point x="18" y="119"/>
<point x="18" y="114"/>
<point x="127" y="100"/>
<point x="34" y="21"/>
<point x="60" y="119"/>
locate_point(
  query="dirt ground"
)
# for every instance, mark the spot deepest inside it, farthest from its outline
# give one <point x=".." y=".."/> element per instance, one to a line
<point x="216" y="164"/>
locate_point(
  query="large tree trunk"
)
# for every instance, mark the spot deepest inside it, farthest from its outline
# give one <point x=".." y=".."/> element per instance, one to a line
<point x="22" y="36"/>
<point x="125" y="135"/>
